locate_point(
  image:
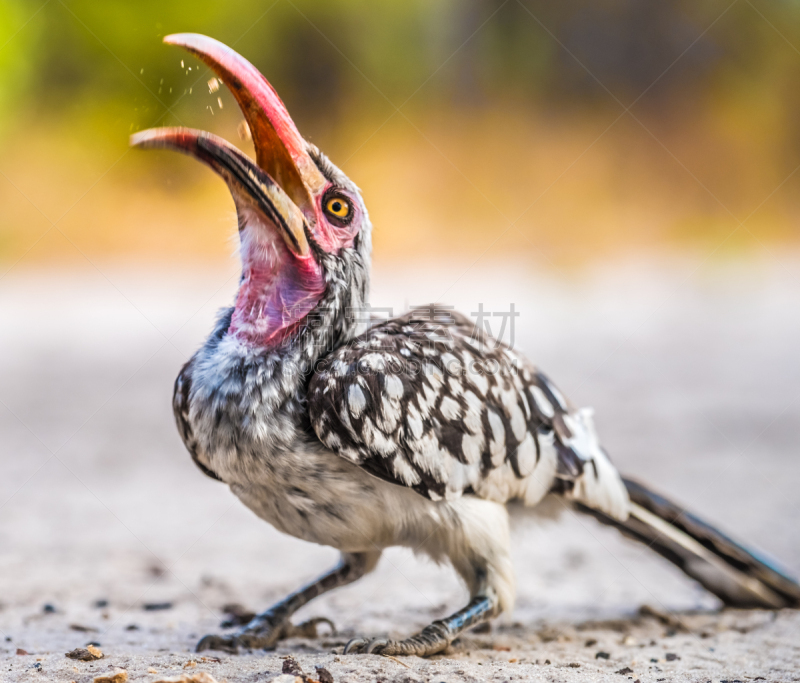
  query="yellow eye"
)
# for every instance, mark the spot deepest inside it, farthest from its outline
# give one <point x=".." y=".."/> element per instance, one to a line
<point x="338" y="207"/>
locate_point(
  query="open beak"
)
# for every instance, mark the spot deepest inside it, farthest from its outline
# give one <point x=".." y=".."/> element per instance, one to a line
<point x="284" y="180"/>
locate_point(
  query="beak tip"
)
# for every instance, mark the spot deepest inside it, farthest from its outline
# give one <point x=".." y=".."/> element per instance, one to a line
<point x="141" y="139"/>
<point x="156" y="138"/>
<point x="196" y="43"/>
<point x="174" y="38"/>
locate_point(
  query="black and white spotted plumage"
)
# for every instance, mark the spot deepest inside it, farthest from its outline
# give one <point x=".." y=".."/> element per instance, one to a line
<point x="438" y="406"/>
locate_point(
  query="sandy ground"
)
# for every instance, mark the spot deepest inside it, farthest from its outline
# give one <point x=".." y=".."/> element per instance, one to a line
<point x="693" y="372"/>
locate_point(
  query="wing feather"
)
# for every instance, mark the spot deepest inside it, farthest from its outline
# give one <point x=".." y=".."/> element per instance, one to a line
<point x="443" y="409"/>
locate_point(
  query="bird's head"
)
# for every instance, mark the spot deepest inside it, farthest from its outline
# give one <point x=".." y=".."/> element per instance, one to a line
<point x="303" y="228"/>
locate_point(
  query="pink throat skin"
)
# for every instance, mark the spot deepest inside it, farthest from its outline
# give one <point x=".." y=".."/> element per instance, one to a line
<point x="277" y="292"/>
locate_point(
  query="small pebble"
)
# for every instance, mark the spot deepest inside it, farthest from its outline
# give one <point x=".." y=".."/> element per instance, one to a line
<point x="602" y="655"/>
<point x="155" y="606"/>
<point x="48" y="609"/>
<point x="671" y="657"/>
<point x="82" y="628"/>
<point x="625" y="671"/>
<point x="87" y="654"/>
<point x="292" y="667"/>
<point x="118" y="676"/>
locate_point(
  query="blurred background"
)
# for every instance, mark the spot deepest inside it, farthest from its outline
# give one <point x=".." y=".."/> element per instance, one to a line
<point x="624" y="172"/>
<point x="591" y="127"/>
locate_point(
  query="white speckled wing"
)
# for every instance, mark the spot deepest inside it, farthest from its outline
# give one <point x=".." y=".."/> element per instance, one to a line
<point x="441" y="408"/>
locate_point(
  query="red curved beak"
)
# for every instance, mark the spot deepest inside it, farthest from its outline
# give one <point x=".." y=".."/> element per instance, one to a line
<point x="285" y="179"/>
<point x="280" y="149"/>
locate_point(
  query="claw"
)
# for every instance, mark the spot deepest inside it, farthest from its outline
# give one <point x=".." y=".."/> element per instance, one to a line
<point x="377" y="645"/>
<point x="308" y="629"/>
<point x="355" y="646"/>
<point x="222" y="643"/>
<point x="263" y="638"/>
<point x="255" y="641"/>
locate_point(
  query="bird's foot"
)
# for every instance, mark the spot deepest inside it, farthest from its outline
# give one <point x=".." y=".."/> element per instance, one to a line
<point x="429" y="641"/>
<point x="263" y="633"/>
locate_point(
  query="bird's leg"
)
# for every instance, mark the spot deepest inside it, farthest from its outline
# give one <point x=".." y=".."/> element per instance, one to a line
<point x="267" y="628"/>
<point x="473" y="534"/>
<point x="433" y="638"/>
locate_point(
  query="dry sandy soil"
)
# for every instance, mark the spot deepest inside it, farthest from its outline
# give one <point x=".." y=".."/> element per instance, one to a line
<point x="692" y="369"/>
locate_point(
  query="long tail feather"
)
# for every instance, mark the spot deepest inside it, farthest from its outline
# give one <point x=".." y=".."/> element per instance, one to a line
<point x="735" y="574"/>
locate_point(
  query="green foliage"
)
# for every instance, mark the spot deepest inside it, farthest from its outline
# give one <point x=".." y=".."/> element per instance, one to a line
<point x="328" y="54"/>
<point x="510" y="96"/>
<point x="101" y="64"/>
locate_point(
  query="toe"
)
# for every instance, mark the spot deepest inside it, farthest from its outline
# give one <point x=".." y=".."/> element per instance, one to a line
<point x="379" y="646"/>
<point x="308" y="629"/>
<point x="222" y="643"/>
<point x="258" y="641"/>
<point x="355" y="646"/>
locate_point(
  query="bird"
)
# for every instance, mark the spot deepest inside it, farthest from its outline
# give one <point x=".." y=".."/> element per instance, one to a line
<point x="420" y="431"/>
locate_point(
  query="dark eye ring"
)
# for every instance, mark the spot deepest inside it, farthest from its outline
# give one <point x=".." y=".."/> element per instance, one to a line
<point x="338" y="208"/>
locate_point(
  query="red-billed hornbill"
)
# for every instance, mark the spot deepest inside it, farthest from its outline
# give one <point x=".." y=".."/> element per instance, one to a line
<point x="415" y="432"/>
